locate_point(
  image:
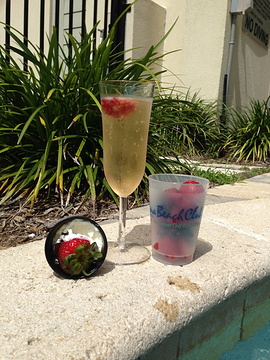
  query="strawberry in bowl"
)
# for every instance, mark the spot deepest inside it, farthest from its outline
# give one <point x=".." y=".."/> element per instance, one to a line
<point x="75" y="255"/>
<point x="76" y="247"/>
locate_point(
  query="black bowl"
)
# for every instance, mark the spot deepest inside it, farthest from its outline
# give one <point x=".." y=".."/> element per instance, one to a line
<point x="73" y="222"/>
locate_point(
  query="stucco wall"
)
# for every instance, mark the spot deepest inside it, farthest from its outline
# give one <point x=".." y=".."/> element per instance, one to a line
<point x="203" y="49"/>
<point x="250" y="74"/>
<point x="202" y="32"/>
<point x="160" y="15"/>
<point x="199" y="32"/>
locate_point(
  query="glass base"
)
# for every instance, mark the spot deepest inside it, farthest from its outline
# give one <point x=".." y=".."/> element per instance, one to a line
<point x="133" y="254"/>
<point x="171" y="259"/>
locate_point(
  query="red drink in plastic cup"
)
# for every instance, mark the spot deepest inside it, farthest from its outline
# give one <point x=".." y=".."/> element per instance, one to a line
<point x="176" y="207"/>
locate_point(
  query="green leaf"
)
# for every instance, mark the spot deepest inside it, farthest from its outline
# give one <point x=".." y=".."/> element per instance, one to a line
<point x="29" y="122"/>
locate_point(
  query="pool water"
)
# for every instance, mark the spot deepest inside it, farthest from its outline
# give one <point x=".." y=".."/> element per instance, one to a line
<point x="257" y="347"/>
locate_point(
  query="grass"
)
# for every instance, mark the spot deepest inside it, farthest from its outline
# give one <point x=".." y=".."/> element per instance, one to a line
<point x="218" y="177"/>
<point x="254" y="172"/>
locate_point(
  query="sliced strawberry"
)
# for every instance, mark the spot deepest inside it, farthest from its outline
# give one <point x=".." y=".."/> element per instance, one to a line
<point x="175" y="213"/>
<point x="168" y="247"/>
<point x="172" y="191"/>
<point x="117" y="107"/>
<point x="191" y="187"/>
<point x="172" y="194"/>
<point x="173" y="249"/>
<point x="76" y="255"/>
<point x="173" y="258"/>
<point x="183" y="249"/>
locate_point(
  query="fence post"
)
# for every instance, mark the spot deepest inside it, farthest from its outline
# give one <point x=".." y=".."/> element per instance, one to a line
<point x="25" y="30"/>
<point x="117" y="7"/>
<point x="7" y="38"/>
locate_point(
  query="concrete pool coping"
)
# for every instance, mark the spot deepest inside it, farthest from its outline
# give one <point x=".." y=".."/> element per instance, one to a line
<point x="147" y="311"/>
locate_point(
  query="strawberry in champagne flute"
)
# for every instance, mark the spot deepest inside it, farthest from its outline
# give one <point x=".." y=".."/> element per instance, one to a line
<point x="126" y="108"/>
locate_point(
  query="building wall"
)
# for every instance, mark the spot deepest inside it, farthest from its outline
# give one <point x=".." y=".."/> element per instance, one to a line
<point x="199" y="33"/>
<point x="160" y="15"/>
<point x="250" y="73"/>
<point x="204" y="46"/>
<point x="203" y="32"/>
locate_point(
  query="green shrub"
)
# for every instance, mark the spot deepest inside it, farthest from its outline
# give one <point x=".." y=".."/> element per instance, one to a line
<point x="249" y="132"/>
<point x="50" y="120"/>
<point x="190" y="125"/>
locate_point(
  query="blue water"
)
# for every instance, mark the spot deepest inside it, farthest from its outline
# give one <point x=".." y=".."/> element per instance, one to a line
<point x="257" y="347"/>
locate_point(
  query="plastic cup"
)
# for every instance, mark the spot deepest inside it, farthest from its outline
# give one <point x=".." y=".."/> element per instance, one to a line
<point x="176" y="207"/>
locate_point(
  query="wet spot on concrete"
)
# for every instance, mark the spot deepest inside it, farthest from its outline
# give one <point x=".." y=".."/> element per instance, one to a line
<point x="170" y="311"/>
<point x="183" y="284"/>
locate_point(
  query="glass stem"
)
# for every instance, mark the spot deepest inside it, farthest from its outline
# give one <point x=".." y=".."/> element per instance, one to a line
<point x="122" y="224"/>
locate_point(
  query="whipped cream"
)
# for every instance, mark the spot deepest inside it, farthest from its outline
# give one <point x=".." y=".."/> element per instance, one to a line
<point x="80" y="229"/>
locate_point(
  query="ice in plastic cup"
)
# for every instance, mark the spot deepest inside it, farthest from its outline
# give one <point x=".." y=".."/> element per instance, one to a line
<point x="176" y="207"/>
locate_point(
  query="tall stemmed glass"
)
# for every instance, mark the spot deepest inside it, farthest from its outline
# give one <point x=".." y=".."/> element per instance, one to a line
<point x="126" y="108"/>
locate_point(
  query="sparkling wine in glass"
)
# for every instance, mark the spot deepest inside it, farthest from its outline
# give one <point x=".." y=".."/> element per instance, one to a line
<point x="126" y="108"/>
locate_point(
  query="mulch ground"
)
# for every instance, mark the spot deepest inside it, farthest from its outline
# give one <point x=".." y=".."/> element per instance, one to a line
<point x="19" y="224"/>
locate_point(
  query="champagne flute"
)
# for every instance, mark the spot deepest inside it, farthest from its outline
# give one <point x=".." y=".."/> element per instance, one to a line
<point x="126" y="108"/>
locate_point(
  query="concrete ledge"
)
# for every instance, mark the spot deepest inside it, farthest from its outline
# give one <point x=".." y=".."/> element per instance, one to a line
<point x="218" y="329"/>
<point x="147" y="311"/>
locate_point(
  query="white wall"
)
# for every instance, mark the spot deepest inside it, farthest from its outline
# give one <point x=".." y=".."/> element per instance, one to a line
<point x="199" y="35"/>
<point x="202" y="32"/>
<point x="145" y="33"/>
<point x="203" y="46"/>
<point x="159" y="16"/>
<point x="250" y="74"/>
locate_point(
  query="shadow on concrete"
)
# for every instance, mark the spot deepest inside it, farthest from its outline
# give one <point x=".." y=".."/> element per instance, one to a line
<point x="202" y="248"/>
<point x="105" y="268"/>
<point x="140" y="234"/>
